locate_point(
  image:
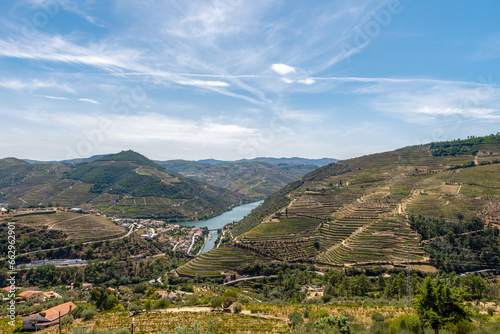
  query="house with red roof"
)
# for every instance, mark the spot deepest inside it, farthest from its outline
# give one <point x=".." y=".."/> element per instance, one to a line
<point x="49" y="317"/>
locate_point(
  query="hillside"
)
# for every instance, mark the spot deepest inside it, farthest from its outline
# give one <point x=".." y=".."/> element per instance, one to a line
<point x="124" y="184"/>
<point x="254" y="180"/>
<point x="376" y="209"/>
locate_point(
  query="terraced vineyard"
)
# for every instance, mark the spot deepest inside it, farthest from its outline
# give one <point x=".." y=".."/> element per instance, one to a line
<point x="77" y="227"/>
<point x="355" y="212"/>
<point x="218" y="261"/>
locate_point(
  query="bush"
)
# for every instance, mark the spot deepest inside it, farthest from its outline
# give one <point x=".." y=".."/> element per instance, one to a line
<point x="140" y="288"/>
<point x="231" y="293"/>
<point x="296" y="319"/>
<point x="187" y="288"/>
<point x="379" y="328"/>
<point x="78" y="312"/>
<point x="228" y="301"/>
<point x="67" y="320"/>
<point x="326" y="298"/>
<point x="491" y="310"/>
<point x="237" y="308"/>
<point x="243" y="300"/>
<point x="377" y="317"/>
<point x="88" y="314"/>
<point x="133" y="307"/>
<point x="405" y="323"/>
<point x="460" y="327"/>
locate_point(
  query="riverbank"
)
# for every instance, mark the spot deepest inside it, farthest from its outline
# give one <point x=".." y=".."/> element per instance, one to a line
<point x="217" y="223"/>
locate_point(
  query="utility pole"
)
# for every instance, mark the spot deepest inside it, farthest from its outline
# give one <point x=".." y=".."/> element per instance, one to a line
<point x="408" y="279"/>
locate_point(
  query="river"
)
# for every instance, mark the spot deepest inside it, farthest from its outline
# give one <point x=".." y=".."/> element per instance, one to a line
<point x="236" y="214"/>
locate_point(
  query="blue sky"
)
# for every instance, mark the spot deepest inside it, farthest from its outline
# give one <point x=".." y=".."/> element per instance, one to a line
<point x="231" y="79"/>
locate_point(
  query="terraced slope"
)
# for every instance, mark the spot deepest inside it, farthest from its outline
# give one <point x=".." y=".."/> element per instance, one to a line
<point x="355" y="212"/>
<point x="220" y="260"/>
<point x="125" y="184"/>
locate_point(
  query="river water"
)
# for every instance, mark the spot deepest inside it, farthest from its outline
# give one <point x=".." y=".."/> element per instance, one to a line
<point x="236" y="214"/>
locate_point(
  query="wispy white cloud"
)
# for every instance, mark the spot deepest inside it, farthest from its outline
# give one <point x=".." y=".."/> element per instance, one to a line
<point x="88" y="100"/>
<point x="55" y="97"/>
<point x="282" y="69"/>
<point x="307" y="81"/>
<point x="17" y="84"/>
<point x="203" y="83"/>
<point x="58" y="49"/>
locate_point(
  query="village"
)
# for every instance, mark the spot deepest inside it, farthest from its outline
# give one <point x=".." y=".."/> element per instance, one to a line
<point x="179" y="238"/>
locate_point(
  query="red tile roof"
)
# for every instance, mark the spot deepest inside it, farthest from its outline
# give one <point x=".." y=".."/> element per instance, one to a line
<point x="53" y="313"/>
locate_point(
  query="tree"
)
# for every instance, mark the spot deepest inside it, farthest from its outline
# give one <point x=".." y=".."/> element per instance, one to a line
<point x="296" y="319"/>
<point x="361" y="285"/>
<point x="216" y="303"/>
<point x="437" y="305"/>
<point x="103" y="299"/>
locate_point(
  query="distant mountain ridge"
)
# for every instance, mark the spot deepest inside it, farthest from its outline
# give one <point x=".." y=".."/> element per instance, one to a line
<point x="255" y="180"/>
<point x="70" y="161"/>
<point x="124" y="184"/>
<point x="291" y="161"/>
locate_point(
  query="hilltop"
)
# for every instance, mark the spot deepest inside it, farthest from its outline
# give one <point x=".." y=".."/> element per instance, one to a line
<point x="376" y="210"/>
<point x="124" y="184"/>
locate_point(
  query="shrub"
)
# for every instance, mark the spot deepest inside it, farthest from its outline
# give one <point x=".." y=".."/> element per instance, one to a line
<point x="407" y="323"/>
<point x="133" y="307"/>
<point x="296" y="319"/>
<point x="231" y="293"/>
<point x="88" y="314"/>
<point x="187" y="288"/>
<point x="237" y="308"/>
<point x="491" y="310"/>
<point x="243" y="300"/>
<point x="228" y="301"/>
<point x="379" y="328"/>
<point x="67" y="320"/>
<point x="377" y="317"/>
<point x="460" y="327"/>
<point x="323" y="313"/>
<point x="140" y="288"/>
<point x="326" y="298"/>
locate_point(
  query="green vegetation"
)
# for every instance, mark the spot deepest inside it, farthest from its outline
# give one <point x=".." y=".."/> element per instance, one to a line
<point x="459" y="246"/>
<point x="463" y="146"/>
<point x="438" y="305"/>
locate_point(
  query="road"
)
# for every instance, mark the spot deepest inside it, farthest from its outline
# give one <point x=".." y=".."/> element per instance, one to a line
<point x="247" y="279"/>
<point x="192" y="244"/>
